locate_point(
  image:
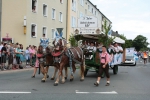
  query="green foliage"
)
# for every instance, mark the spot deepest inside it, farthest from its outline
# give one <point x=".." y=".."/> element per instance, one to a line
<point x="140" y="43"/>
<point x="73" y="41"/>
<point x="128" y="43"/>
<point x="104" y="38"/>
<point x="123" y="37"/>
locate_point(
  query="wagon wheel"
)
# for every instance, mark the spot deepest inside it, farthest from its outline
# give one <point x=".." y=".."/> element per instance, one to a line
<point x="115" y="69"/>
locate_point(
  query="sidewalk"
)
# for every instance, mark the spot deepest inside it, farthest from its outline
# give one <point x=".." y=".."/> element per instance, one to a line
<point x="25" y="68"/>
<point x="17" y="70"/>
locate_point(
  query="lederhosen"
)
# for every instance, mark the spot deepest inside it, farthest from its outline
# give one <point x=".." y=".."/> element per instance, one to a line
<point x="106" y="69"/>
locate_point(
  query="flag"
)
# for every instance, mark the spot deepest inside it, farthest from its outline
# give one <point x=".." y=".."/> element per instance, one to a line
<point x="110" y="32"/>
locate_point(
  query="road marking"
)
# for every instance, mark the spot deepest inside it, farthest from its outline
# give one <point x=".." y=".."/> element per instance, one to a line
<point x="113" y="92"/>
<point x="13" y="92"/>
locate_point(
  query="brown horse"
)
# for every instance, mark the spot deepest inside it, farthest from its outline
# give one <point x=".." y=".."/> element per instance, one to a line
<point x="69" y="57"/>
<point x="48" y="62"/>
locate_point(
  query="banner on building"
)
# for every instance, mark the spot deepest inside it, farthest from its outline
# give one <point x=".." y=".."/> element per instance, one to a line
<point x="87" y="22"/>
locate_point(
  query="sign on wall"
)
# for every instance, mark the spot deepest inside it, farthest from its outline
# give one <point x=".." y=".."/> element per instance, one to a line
<point x="87" y="30"/>
<point x="87" y="22"/>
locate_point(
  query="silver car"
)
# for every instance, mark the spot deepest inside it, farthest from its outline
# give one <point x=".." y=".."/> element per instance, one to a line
<point x="130" y="60"/>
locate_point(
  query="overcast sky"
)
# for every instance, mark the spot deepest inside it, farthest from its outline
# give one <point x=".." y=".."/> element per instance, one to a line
<point x="129" y="17"/>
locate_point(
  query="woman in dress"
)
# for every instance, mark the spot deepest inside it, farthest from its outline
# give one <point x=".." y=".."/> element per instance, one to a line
<point x="36" y="65"/>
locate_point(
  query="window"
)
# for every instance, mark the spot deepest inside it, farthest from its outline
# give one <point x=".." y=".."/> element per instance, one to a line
<point x="53" y="13"/>
<point x="33" y="30"/>
<point x="82" y="2"/>
<point x="61" y="1"/>
<point x="95" y="13"/>
<point x="81" y="14"/>
<point x="73" y="5"/>
<point x="92" y="10"/>
<point x="73" y="22"/>
<point x="34" y="5"/>
<point x="44" y="10"/>
<point x="44" y="31"/>
<point x="89" y="7"/>
<point x="53" y="33"/>
<point x="60" y="17"/>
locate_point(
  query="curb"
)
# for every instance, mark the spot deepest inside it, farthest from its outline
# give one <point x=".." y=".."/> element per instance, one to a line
<point x="17" y="70"/>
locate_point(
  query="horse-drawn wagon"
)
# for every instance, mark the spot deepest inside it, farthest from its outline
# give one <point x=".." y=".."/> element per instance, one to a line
<point x="92" y="59"/>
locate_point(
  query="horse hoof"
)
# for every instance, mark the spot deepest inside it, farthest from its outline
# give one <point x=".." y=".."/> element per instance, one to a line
<point x="47" y="76"/>
<point x="65" y="78"/>
<point x="55" y="84"/>
<point x="52" y="78"/>
<point x="81" y="79"/>
<point x="43" y="81"/>
<point x="71" y="80"/>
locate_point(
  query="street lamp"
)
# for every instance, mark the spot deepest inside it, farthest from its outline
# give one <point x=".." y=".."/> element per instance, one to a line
<point x="25" y="24"/>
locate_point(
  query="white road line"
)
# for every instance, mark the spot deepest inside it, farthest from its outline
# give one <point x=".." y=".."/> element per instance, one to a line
<point x="13" y="92"/>
<point x="113" y="92"/>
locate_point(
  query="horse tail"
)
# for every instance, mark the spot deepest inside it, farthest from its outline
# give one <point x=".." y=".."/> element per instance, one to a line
<point x="82" y="68"/>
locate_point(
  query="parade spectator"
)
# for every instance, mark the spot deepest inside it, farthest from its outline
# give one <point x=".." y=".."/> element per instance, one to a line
<point x="21" y="47"/>
<point x="104" y="67"/>
<point x="0" y="52"/>
<point x="27" y="56"/>
<point x="10" y="56"/>
<point x="15" y="65"/>
<point x="3" y="56"/>
<point x="18" y="53"/>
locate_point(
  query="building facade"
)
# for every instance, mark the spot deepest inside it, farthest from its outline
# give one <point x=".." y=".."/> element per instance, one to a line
<point x="25" y="21"/>
<point x="40" y="16"/>
<point x="81" y="8"/>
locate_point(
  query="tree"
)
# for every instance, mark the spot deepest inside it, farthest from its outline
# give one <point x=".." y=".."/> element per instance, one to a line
<point x="122" y="36"/>
<point x="104" y="38"/>
<point x="73" y="41"/>
<point x="128" y="43"/>
<point x="140" y="43"/>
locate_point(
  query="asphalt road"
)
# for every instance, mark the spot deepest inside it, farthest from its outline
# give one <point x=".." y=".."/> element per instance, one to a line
<point x="131" y="83"/>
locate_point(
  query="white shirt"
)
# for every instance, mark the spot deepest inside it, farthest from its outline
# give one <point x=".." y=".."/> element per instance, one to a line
<point x="92" y="49"/>
<point x="116" y="49"/>
<point x="1" y="47"/>
<point x="120" y="48"/>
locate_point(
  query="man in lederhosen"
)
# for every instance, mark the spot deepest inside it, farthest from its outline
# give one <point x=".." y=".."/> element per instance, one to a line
<point x="104" y="67"/>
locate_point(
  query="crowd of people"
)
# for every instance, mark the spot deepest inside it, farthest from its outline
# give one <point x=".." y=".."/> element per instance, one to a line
<point x="13" y="55"/>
